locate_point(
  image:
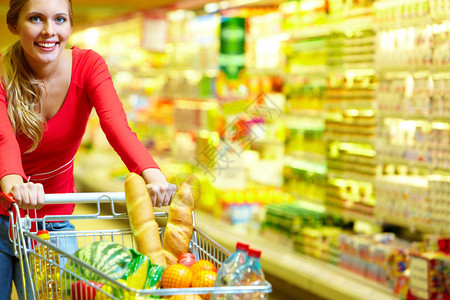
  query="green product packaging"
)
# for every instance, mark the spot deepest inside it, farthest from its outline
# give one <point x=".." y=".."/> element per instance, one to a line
<point x="141" y="273"/>
<point x="232" y="46"/>
<point x="154" y="277"/>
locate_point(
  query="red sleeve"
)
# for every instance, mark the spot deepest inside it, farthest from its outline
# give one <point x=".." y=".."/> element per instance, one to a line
<point x="113" y="120"/>
<point x="10" y="156"/>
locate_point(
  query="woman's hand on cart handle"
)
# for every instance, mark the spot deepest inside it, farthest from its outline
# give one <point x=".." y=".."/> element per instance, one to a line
<point x="28" y="195"/>
<point x="161" y="192"/>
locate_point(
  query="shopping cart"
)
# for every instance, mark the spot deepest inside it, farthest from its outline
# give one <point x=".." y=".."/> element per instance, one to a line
<point x="23" y="234"/>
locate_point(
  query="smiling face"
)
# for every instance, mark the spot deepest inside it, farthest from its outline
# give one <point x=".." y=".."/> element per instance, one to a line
<point x="43" y="26"/>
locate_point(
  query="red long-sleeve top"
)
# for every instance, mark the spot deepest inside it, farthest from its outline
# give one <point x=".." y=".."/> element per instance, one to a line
<point x="51" y="163"/>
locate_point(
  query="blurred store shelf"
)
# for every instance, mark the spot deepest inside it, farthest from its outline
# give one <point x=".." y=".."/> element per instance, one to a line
<point x="313" y="276"/>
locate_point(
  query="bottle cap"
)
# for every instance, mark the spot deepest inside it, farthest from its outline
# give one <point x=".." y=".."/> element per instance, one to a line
<point x="254" y="253"/>
<point x="242" y="246"/>
<point x="43" y="234"/>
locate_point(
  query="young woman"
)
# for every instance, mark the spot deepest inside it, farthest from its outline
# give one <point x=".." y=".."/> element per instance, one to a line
<point x="47" y="93"/>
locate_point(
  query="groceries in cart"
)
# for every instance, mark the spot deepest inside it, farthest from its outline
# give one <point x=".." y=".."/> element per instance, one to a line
<point x="120" y="263"/>
<point x="150" y="260"/>
<point x="242" y="268"/>
<point x="201" y="273"/>
<point x="47" y="275"/>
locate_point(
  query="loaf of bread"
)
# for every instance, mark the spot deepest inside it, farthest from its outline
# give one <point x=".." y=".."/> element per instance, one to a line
<point x="142" y="219"/>
<point x="180" y="225"/>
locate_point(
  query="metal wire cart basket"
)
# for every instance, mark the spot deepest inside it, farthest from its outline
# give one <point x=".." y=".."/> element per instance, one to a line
<point x="51" y="271"/>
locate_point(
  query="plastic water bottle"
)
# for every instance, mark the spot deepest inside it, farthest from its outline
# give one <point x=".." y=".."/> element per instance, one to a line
<point x="47" y="273"/>
<point x="227" y="270"/>
<point x="250" y="273"/>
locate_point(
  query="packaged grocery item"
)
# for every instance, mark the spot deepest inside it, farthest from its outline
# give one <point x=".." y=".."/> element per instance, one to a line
<point x="141" y="273"/>
<point x="227" y="271"/>
<point x="429" y="276"/>
<point x="47" y="274"/>
<point x="250" y="273"/>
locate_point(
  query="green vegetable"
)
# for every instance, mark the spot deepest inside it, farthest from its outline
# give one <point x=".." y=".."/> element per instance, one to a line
<point x="108" y="257"/>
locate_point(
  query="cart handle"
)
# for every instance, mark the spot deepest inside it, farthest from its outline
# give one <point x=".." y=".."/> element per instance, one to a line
<point x="6" y="201"/>
<point x="91" y="197"/>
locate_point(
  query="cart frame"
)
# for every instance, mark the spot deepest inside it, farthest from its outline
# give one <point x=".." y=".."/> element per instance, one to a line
<point x="23" y="238"/>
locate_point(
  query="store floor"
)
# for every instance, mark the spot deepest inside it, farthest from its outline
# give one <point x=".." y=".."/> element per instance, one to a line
<point x="281" y="289"/>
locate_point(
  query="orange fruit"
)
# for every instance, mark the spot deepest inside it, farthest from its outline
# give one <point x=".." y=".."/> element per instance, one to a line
<point x="202" y="264"/>
<point x="203" y="278"/>
<point x="176" y="276"/>
<point x="185" y="297"/>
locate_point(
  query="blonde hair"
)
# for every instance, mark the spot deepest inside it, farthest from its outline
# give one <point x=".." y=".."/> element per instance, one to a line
<point x="23" y="95"/>
<point x="23" y="91"/>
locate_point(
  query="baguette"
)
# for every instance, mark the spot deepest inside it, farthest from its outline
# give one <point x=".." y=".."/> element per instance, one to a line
<point x="142" y="219"/>
<point x="180" y="225"/>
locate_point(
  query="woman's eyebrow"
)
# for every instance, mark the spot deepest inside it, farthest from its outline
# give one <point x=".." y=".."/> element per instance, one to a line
<point x="40" y="13"/>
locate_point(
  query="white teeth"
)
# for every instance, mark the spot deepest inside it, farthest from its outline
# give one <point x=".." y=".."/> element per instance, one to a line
<point x="46" y="45"/>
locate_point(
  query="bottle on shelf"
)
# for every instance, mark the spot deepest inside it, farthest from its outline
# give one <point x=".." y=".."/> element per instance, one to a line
<point x="227" y="270"/>
<point x="250" y="273"/>
<point x="47" y="273"/>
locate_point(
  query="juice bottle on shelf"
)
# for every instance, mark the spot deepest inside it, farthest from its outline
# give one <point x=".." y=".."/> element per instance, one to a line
<point x="250" y="273"/>
<point x="47" y="272"/>
<point x="227" y="270"/>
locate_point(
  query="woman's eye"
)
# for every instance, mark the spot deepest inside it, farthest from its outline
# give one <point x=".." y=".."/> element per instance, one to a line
<point x="60" y="20"/>
<point x="35" y="19"/>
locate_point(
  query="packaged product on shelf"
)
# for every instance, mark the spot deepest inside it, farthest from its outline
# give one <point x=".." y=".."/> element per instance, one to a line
<point x="381" y="258"/>
<point x="284" y="222"/>
<point x="246" y="207"/>
<point x="321" y="243"/>
<point x="429" y="277"/>
<point x="237" y="211"/>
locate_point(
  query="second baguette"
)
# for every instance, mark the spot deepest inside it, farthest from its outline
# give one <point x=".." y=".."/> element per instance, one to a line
<point x="180" y="225"/>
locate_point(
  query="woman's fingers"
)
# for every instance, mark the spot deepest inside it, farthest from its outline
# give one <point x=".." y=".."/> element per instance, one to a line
<point x="29" y="195"/>
<point x="161" y="194"/>
<point x="40" y="196"/>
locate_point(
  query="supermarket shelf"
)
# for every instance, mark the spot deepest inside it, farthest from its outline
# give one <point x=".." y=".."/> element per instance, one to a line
<point x="346" y="139"/>
<point x="319" y="278"/>
<point x="385" y="71"/>
<point x="404" y="161"/>
<point x="311" y="165"/>
<point x="351" y="215"/>
<point x="318" y="114"/>
<point x="356" y="176"/>
<point x="412" y="225"/>
<point x="405" y="23"/>
<point x="347" y="25"/>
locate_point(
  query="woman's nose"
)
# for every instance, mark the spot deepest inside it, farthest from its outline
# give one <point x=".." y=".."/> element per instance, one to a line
<point x="48" y="29"/>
